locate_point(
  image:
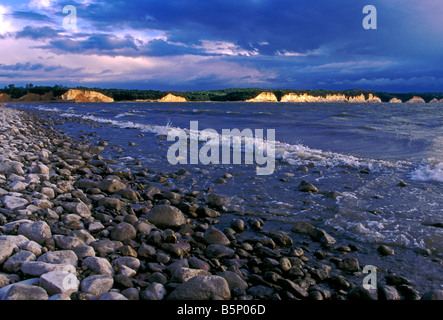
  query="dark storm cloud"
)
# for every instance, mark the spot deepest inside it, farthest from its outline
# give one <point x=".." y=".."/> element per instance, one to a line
<point x="160" y="48"/>
<point x="21" y="67"/>
<point x="37" y="33"/>
<point x="106" y="44"/>
<point x="30" y="15"/>
<point x="292" y="43"/>
<point x="94" y="43"/>
<point x="284" y="25"/>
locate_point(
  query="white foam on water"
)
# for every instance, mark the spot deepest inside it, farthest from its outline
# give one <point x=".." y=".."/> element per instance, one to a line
<point x="125" y="114"/>
<point x="296" y="154"/>
<point x="299" y="154"/>
<point x="43" y="108"/>
<point x="430" y="170"/>
<point x="159" y="130"/>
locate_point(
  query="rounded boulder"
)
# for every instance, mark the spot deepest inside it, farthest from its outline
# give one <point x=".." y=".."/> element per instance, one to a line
<point x="165" y="216"/>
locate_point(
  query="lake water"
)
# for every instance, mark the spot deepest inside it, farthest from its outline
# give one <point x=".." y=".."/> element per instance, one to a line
<point x="361" y="151"/>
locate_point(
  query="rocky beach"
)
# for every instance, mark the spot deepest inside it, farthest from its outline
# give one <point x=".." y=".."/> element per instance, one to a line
<point x="76" y="225"/>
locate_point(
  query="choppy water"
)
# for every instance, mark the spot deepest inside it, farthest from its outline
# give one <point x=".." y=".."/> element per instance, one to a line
<point x="360" y="150"/>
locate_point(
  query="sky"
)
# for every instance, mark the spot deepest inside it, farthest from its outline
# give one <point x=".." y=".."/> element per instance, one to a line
<point x="213" y="44"/>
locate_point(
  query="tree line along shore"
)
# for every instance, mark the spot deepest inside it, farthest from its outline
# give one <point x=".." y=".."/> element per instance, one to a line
<point x="58" y="93"/>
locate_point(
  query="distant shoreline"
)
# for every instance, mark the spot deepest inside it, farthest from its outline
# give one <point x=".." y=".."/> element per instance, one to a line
<point x="60" y="94"/>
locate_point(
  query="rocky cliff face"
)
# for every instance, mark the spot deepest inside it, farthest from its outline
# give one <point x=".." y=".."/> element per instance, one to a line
<point x="292" y="97"/>
<point x="5" y="97"/>
<point x="417" y="100"/>
<point x="32" y="97"/>
<point x="358" y="99"/>
<point x="85" y="96"/>
<point x="264" y="97"/>
<point x="373" y="99"/>
<point x="395" y="100"/>
<point x="335" y="98"/>
<point x="171" y="98"/>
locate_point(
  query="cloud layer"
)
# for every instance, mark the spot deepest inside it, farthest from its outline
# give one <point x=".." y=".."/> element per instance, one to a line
<point x="195" y="44"/>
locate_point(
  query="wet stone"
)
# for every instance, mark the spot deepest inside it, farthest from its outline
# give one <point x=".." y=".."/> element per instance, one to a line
<point x="181" y="263"/>
<point x="183" y="274"/>
<point x="261" y="291"/>
<point x="98" y="266"/>
<point x="315" y="295"/>
<point x="267" y="252"/>
<point x="166" y="216"/>
<point x="110" y="203"/>
<point x="26" y="292"/>
<point x="197" y="263"/>
<point x="131" y="294"/>
<point x="433" y="295"/>
<point x="349" y="264"/>
<point x="37" y="268"/>
<point x="219" y="251"/>
<point x="13" y="203"/>
<point x="158" y="277"/>
<point x="388" y="293"/>
<point x="60" y="257"/>
<point x="238" y="225"/>
<point x="97" y="285"/>
<point x="339" y="283"/>
<point x="256" y="224"/>
<point x="307" y="187"/>
<point x="215" y="236"/>
<point x="123" y="231"/>
<point x="78" y="208"/>
<point x="145" y="251"/>
<point x="285" y="264"/>
<point x="37" y="231"/>
<point x="408" y="292"/>
<point x="385" y="250"/>
<point x="6" y="250"/>
<point x="218" y="201"/>
<point x="205" y="212"/>
<point x="397" y="280"/>
<point x="111" y="185"/>
<point x="14" y="263"/>
<point x="109" y="296"/>
<point x="84" y="251"/>
<point x="106" y="247"/>
<point x="155" y="291"/>
<point x="202" y="288"/>
<point x="59" y="282"/>
<point x="67" y="243"/>
<point x="360" y="293"/>
<point x="293" y="288"/>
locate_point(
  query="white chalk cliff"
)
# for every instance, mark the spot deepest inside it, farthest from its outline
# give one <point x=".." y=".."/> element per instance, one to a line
<point x="172" y="98"/>
<point x="264" y="97"/>
<point x="417" y="100"/>
<point x="395" y="100"/>
<point x="292" y="97"/>
<point x="85" y="96"/>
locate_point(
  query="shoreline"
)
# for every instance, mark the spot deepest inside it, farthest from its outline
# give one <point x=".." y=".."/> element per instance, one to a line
<point x="118" y="231"/>
<point x="216" y="102"/>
